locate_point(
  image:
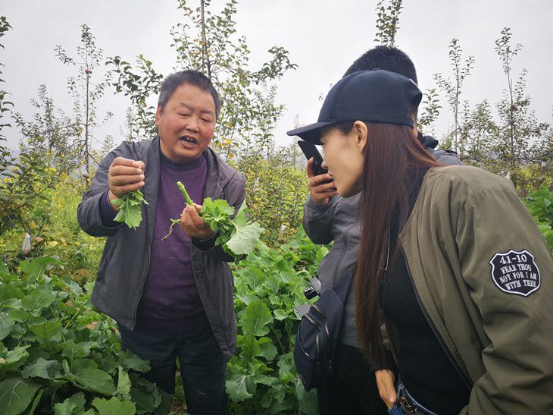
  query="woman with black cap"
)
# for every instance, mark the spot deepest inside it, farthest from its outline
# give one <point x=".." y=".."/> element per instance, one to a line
<point x="449" y="258"/>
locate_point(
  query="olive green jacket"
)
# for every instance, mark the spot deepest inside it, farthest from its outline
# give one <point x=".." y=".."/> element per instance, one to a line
<point x="483" y="275"/>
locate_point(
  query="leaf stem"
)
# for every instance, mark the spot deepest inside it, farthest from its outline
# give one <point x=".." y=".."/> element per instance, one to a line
<point x="279" y="341"/>
<point x="185" y="194"/>
<point x="77" y="314"/>
<point x="173" y="223"/>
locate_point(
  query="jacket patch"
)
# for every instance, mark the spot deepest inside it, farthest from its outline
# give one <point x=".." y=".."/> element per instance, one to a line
<point x="515" y="272"/>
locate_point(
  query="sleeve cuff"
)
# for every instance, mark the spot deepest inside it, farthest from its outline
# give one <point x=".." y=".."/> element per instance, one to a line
<point x="107" y="213"/>
<point x="316" y="208"/>
<point x="388" y="364"/>
<point x="207" y="244"/>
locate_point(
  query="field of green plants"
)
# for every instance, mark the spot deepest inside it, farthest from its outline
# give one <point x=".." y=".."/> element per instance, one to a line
<point x="58" y="355"/>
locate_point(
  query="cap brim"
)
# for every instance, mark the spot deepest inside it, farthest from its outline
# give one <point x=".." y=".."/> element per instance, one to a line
<point x="310" y="133"/>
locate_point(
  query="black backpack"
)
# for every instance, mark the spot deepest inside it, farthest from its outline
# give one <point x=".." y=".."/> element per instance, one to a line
<point x="319" y="334"/>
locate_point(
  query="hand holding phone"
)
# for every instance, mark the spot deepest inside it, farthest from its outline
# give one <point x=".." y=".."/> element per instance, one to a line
<point x="310" y="151"/>
<point x="321" y="185"/>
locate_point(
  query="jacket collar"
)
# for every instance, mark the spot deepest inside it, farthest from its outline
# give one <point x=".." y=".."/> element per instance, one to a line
<point x="150" y="155"/>
<point x="217" y="175"/>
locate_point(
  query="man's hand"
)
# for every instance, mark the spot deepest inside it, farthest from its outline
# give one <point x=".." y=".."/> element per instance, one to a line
<point x="320" y="192"/>
<point x="193" y="225"/>
<point x="385" y="381"/>
<point x="124" y="176"/>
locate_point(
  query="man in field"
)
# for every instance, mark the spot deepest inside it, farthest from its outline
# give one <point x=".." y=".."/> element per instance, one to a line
<point x="172" y="298"/>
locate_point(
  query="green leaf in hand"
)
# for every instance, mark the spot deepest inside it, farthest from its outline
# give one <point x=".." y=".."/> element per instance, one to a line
<point x="244" y="240"/>
<point x="237" y="236"/>
<point x="242" y="237"/>
<point x="130" y="209"/>
<point x="217" y="214"/>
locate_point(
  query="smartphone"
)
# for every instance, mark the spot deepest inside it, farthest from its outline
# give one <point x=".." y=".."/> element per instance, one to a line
<point x="311" y="151"/>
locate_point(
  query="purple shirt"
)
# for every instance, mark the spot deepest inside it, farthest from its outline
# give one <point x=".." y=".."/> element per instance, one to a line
<point x="170" y="303"/>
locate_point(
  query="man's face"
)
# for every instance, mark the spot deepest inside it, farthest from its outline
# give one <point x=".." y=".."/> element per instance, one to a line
<point x="186" y="123"/>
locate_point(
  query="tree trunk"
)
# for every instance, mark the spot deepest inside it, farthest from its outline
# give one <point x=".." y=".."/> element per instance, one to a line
<point x="205" y="55"/>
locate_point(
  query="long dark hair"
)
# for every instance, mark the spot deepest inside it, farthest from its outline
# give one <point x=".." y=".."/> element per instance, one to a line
<point x="391" y="154"/>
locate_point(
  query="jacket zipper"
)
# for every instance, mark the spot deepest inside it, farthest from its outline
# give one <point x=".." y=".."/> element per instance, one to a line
<point x="466" y="380"/>
<point x="145" y="275"/>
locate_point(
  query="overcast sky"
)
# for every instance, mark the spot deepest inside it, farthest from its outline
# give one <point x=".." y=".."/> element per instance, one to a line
<point x="323" y="37"/>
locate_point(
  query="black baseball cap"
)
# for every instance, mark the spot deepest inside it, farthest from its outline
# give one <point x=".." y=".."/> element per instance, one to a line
<point x="372" y="96"/>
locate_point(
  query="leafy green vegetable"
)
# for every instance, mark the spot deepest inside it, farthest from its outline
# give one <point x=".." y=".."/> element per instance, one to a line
<point x="130" y="209"/>
<point x="74" y="404"/>
<point x="46" y="369"/>
<point x="49" y="330"/>
<point x="256" y="317"/>
<point x="261" y="378"/>
<point x="57" y="354"/>
<point x="114" y="406"/>
<point x="217" y="214"/>
<point x="84" y="373"/>
<point x="123" y="385"/>
<point x="243" y="238"/>
<point x="16" y="394"/>
<point x="237" y="236"/>
<point x="6" y="325"/>
<point x="269" y="286"/>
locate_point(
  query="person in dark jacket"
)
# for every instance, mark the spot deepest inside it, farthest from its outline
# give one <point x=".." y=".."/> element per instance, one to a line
<point x="328" y="217"/>
<point x="173" y="298"/>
